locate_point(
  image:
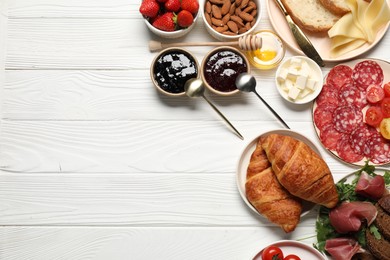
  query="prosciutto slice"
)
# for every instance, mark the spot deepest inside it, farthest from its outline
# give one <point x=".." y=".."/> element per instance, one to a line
<point x="370" y="187"/>
<point x="348" y="216"/>
<point x="342" y="248"/>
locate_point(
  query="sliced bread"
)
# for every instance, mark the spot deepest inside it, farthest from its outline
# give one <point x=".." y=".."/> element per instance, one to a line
<point x="311" y="15"/>
<point x="338" y="7"/>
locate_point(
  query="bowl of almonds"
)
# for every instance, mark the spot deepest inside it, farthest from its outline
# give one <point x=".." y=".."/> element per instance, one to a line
<point x="230" y="19"/>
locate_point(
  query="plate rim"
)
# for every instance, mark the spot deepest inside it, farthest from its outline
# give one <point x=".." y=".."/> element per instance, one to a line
<point x="380" y="35"/>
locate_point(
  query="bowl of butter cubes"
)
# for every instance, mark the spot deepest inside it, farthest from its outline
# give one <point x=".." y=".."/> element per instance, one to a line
<point x="299" y="79"/>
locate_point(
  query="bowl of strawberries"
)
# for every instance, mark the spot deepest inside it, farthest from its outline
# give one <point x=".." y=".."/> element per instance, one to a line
<point x="170" y="18"/>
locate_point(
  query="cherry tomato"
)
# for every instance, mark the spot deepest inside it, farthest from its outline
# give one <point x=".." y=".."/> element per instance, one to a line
<point x="386" y="89"/>
<point x="374" y="116"/>
<point x="385" y="105"/>
<point x="272" y="253"/>
<point x="292" y="257"/>
<point x="375" y="93"/>
<point x="384" y="127"/>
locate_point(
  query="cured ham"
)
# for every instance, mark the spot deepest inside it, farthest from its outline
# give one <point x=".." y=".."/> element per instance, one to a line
<point x="342" y="248"/>
<point x="348" y="216"/>
<point x="370" y="187"/>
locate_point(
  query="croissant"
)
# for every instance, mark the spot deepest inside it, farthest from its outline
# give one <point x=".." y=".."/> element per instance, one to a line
<point x="266" y="194"/>
<point x="300" y="170"/>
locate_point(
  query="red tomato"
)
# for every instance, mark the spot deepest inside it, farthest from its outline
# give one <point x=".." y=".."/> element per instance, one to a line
<point x="375" y="93"/>
<point x="385" y="105"/>
<point x="374" y="116"/>
<point x="386" y="89"/>
<point x="292" y="257"/>
<point x="272" y="253"/>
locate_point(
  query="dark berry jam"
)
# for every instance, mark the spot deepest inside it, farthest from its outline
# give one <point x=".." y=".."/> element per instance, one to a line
<point x="173" y="68"/>
<point x="222" y="68"/>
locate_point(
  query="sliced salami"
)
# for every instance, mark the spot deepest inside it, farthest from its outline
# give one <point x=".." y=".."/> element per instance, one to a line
<point x="359" y="139"/>
<point x="347" y="118"/>
<point x="346" y="152"/>
<point x="339" y="75"/>
<point x="328" y="94"/>
<point x="351" y="95"/>
<point x="366" y="73"/>
<point x="379" y="150"/>
<point x="330" y="136"/>
<point x="323" y="115"/>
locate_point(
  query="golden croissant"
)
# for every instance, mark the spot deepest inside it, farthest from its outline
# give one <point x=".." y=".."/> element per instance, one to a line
<point x="300" y="170"/>
<point x="266" y="194"/>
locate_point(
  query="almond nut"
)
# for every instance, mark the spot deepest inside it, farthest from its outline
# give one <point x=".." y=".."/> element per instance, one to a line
<point x="225" y="7"/>
<point x="246" y="17"/>
<point x="216" y="11"/>
<point x="208" y="7"/>
<point x="232" y="26"/>
<point x="216" y="22"/>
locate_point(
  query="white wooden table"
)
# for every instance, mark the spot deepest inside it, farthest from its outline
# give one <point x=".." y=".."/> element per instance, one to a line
<point x="95" y="164"/>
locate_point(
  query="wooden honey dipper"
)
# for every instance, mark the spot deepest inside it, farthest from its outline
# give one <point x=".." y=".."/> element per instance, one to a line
<point x="247" y="43"/>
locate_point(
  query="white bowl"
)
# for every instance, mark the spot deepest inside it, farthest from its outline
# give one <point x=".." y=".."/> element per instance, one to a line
<point x="244" y="160"/>
<point x="223" y="37"/>
<point x="174" y="34"/>
<point x="315" y="73"/>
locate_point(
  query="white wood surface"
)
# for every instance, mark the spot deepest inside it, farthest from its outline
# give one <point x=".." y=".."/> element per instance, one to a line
<point x="95" y="164"/>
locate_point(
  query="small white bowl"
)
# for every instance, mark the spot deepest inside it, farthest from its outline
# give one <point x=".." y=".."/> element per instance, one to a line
<point x="224" y="37"/>
<point x="284" y="84"/>
<point x="174" y="34"/>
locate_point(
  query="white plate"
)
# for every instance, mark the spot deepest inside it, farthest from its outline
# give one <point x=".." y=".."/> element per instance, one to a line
<point x="386" y="73"/>
<point x="245" y="158"/>
<point x="320" y="41"/>
<point x="300" y="249"/>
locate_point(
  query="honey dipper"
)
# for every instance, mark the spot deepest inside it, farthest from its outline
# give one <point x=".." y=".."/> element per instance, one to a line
<point x="247" y="43"/>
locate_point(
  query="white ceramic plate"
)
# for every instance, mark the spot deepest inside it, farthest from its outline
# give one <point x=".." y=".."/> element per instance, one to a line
<point x="245" y="158"/>
<point x="386" y="73"/>
<point x="320" y="41"/>
<point x="300" y="249"/>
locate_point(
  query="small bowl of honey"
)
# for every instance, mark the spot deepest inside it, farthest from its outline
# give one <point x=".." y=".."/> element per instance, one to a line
<point x="271" y="52"/>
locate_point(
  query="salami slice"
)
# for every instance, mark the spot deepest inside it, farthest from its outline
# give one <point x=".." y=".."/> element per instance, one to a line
<point x="379" y="150"/>
<point x="329" y="136"/>
<point x="346" y="152"/>
<point x="339" y="75"/>
<point x="323" y="115"/>
<point x="328" y="94"/>
<point x="347" y="118"/>
<point x="366" y="73"/>
<point x="351" y="95"/>
<point x="359" y="139"/>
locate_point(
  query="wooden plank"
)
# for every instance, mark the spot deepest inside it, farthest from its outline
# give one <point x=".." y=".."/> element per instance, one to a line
<point x="36" y="243"/>
<point x="126" y="95"/>
<point x="123" y="146"/>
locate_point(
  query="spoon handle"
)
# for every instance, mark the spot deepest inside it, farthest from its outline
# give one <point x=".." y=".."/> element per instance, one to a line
<point x="273" y="111"/>
<point x="224" y="118"/>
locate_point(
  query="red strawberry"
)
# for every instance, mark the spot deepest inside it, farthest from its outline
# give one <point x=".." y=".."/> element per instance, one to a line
<point x="149" y="8"/>
<point x="184" y="18"/>
<point x="165" y="22"/>
<point x="191" y="6"/>
<point x="172" y="5"/>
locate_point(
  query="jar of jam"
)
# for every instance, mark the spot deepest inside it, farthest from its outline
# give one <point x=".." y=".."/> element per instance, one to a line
<point x="170" y="70"/>
<point x="221" y="67"/>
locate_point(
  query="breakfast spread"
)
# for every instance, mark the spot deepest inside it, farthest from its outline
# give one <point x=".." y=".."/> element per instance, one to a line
<point x="359" y="225"/>
<point x="169" y="15"/>
<point x="297" y="79"/>
<point x="222" y="67"/>
<point x="172" y="69"/>
<point x="231" y="17"/>
<point x="282" y="172"/>
<point x="349" y="111"/>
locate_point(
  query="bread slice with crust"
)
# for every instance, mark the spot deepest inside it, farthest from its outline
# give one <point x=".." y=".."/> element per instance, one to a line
<point x="311" y="15"/>
<point x="338" y="7"/>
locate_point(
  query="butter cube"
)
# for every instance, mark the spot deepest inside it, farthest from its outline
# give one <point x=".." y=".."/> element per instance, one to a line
<point x="311" y="84"/>
<point x="305" y="69"/>
<point x="282" y="75"/>
<point x="304" y="93"/>
<point x="292" y="74"/>
<point x="293" y="93"/>
<point x="289" y="84"/>
<point x="295" y="63"/>
<point x="301" y="82"/>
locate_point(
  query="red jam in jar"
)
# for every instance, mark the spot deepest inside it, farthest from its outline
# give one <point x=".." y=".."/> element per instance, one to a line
<point x="222" y="68"/>
<point x="173" y="68"/>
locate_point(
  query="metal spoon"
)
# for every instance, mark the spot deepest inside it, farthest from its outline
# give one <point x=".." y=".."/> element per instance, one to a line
<point x="247" y="83"/>
<point x="195" y="88"/>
